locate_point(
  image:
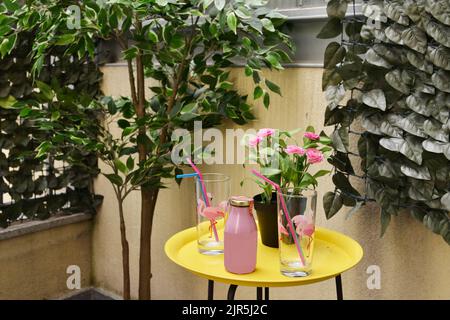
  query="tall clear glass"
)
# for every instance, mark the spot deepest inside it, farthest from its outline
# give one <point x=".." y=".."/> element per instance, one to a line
<point x="211" y="211"/>
<point x="299" y="213"/>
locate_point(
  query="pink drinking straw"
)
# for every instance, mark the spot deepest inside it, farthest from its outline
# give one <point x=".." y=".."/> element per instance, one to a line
<point x="205" y="195"/>
<point x="283" y="205"/>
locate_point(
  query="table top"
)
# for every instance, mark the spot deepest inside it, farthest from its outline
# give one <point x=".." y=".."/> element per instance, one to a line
<point x="334" y="253"/>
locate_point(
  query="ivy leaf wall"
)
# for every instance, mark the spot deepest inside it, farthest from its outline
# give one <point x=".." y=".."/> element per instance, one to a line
<point x="393" y="65"/>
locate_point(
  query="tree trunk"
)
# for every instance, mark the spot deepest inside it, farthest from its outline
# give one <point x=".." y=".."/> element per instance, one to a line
<point x="149" y="198"/>
<point x="125" y="254"/>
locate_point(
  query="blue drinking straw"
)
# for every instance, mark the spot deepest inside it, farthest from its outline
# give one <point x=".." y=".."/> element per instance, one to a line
<point x="187" y="175"/>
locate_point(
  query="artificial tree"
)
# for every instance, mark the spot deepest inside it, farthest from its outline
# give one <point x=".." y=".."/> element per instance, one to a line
<point x="394" y="65"/>
<point x="186" y="48"/>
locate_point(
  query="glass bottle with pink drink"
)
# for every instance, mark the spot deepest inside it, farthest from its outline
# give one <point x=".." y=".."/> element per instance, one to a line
<point x="240" y="237"/>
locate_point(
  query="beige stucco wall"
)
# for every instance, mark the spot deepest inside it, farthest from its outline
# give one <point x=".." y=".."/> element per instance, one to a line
<point x="34" y="266"/>
<point x="414" y="262"/>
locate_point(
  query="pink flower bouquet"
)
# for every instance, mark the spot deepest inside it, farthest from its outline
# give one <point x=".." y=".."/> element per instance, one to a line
<point x="286" y="162"/>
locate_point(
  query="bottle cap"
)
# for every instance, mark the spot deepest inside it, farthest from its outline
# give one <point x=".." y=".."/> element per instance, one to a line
<point x="241" y="201"/>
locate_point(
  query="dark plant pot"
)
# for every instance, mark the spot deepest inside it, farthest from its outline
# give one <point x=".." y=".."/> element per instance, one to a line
<point x="267" y="220"/>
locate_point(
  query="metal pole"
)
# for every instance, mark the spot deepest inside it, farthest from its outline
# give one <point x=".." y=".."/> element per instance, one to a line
<point x="339" y="287"/>
<point x="210" y="290"/>
<point x="266" y="293"/>
<point x="232" y="292"/>
<point x="259" y="293"/>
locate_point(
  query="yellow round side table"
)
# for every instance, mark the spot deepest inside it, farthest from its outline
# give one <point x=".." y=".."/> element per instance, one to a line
<point x="334" y="253"/>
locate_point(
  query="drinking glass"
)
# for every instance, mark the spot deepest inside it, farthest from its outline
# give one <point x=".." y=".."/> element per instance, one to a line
<point x="211" y="211"/>
<point x="296" y="253"/>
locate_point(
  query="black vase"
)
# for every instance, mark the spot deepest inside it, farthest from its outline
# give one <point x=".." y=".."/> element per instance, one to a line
<point x="267" y="220"/>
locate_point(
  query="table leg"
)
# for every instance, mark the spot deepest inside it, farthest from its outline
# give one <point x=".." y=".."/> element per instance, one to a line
<point x="266" y="293"/>
<point x="210" y="290"/>
<point x="339" y="288"/>
<point x="259" y="293"/>
<point x="232" y="291"/>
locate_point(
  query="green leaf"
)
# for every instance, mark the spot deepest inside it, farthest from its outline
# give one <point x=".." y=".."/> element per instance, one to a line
<point x="341" y="182"/>
<point x="258" y="93"/>
<point x="266" y="100"/>
<point x="269" y="172"/>
<point x="189" y="108"/>
<point x="415" y="171"/>
<point x="441" y="80"/>
<point x="219" y="4"/>
<point x="46" y="90"/>
<point x="445" y="201"/>
<point x="274" y="60"/>
<point x="273" y="87"/>
<point x="267" y="24"/>
<point x="396" y="12"/>
<point x="114" y="179"/>
<point x="415" y="38"/>
<point x="439" y="10"/>
<point x="232" y="22"/>
<point x="43" y="148"/>
<point x="130" y="163"/>
<point x="334" y="54"/>
<point x="418" y="60"/>
<point x="392" y="144"/>
<point x="65" y="39"/>
<point x="375" y="99"/>
<point x="176" y="41"/>
<point x="385" y="220"/>
<point x="7" y="45"/>
<point x="375" y="59"/>
<point x="8" y="102"/>
<point x="434" y="129"/>
<point x="25" y="112"/>
<point x="332" y="203"/>
<point x="331" y="29"/>
<point x="412" y="149"/>
<point x="439" y="56"/>
<point x="400" y="80"/>
<point x="438" y="32"/>
<point x="55" y="115"/>
<point x="321" y="173"/>
<point x="340" y="139"/>
<point x="334" y="95"/>
<point x="434" y="146"/>
<point x="120" y="166"/>
<point x="248" y="71"/>
<point x="11" y="5"/>
<point x="337" y="8"/>
<point x="152" y="36"/>
<point x="413" y="123"/>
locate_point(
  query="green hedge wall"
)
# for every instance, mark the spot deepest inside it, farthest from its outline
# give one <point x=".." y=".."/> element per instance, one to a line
<point x="34" y="186"/>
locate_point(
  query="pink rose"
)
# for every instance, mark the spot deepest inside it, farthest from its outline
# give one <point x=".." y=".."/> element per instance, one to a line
<point x="311" y="136"/>
<point x="314" y="156"/>
<point x="265" y="132"/>
<point x="254" y="141"/>
<point x="291" y="149"/>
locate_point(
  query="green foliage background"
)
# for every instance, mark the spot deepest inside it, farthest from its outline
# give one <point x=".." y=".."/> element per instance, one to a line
<point x="394" y="63"/>
<point x="40" y="185"/>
